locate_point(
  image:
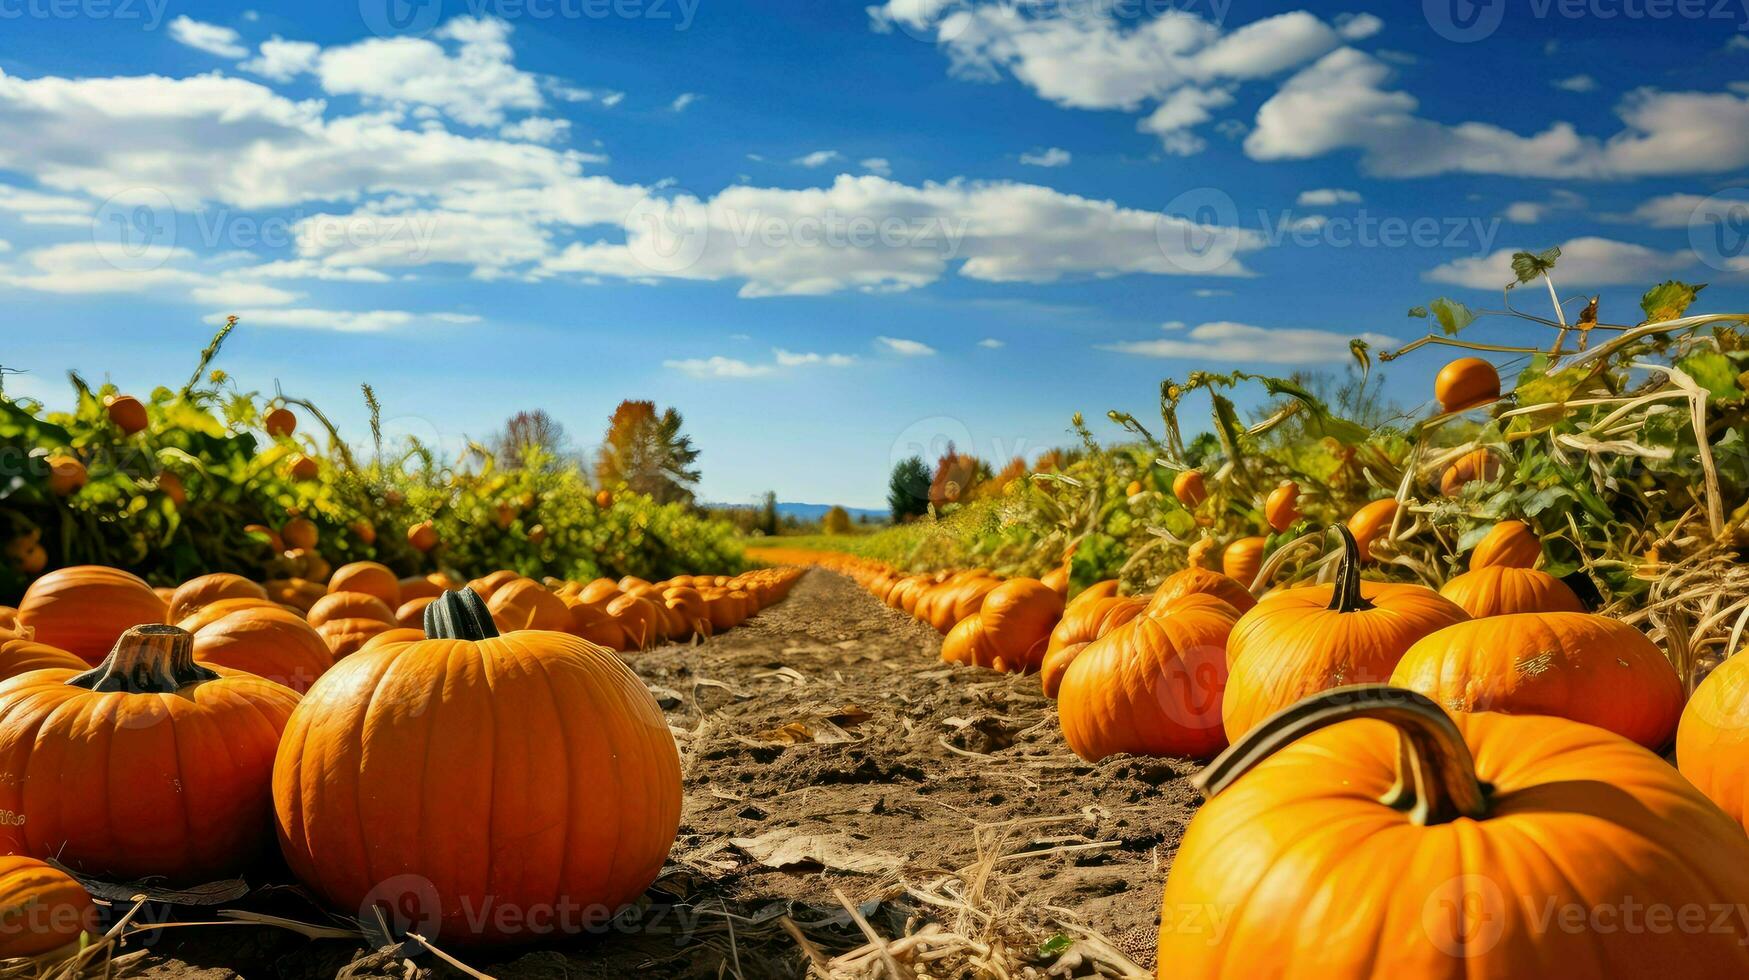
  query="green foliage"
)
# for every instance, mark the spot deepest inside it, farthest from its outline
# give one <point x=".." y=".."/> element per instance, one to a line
<point x="908" y="489"/>
<point x="1668" y="300"/>
<point x="1529" y="266"/>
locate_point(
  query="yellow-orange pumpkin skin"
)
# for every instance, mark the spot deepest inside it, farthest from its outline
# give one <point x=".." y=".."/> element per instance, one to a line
<point x="1301" y="869"/>
<point x="149" y="765"/>
<point x="84" y="609"/>
<point x="42" y="909"/>
<point x="1466" y="383"/>
<point x="1018" y="616"/>
<point x="1195" y="581"/>
<point x="196" y="593"/>
<point x="1151" y="686"/>
<point x="1303" y="641"/>
<point x="21" y="656"/>
<point x="1371" y="522"/>
<point x="1712" y="740"/>
<point x="349" y="605"/>
<point x="1282" y="508"/>
<point x="1590" y="669"/>
<point x="369" y="577"/>
<point x="1499" y="590"/>
<point x="1243" y="559"/>
<point x="268" y="641"/>
<point x="1511" y="544"/>
<point x="524" y="604"/>
<point x="559" y="784"/>
<point x="1082" y="623"/>
<point x="1478" y="465"/>
<point x="1189" y="488"/>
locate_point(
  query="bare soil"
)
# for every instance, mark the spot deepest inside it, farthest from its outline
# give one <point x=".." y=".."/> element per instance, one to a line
<point x="831" y="762"/>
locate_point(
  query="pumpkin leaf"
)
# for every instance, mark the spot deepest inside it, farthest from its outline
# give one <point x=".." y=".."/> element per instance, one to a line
<point x="1528" y="266"/>
<point x="1668" y="300"/>
<point x="1713" y="371"/>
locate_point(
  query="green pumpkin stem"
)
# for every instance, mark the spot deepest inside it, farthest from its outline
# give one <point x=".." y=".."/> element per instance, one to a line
<point x="1436" y="776"/>
<point x="1346" y="597"/>
<point x="459" y="615"/>
<point x="149" y="659"/>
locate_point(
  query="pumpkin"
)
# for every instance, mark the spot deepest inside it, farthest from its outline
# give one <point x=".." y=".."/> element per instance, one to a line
<point x="19" y="655"/>
<point x="525" y="604"/>
<point x="422" y="536"/>
<point x="1134" y="488"/>
<point x="195" y="593"/>
<point x="1152" y="686"/>
<point x="1018" y="616"/>
<point x="1712" y="739"/>
<point x="1058" y="580"/>
<point x="267" y="641"/>
<point x="1282" y="508"/>
<point x="85" y="608"/>
<point x="1099" y="590"/>
<point x="1466" y="383"/>
<point x="171" y="486"/>
<point x="965" y="644"/>
<point x="26" y="555"/>
<point x="1303" y="641"/>
<point x="1476" y="465"/>
<point x="600" y="592"/>
<point x="9" y="623"/>
<point x="1372" y="522"/>
<point x="1194" y="581"/>
<point x="218" y="609"/>
<point x="1592" y="669"/>
<point x="1511" y="544"/>
<point x="67" y="475"/>
<point x="369" y="577"/>
<point x="1081" y="624"/>
<point x="639" y="620"/>
<point x="265" y="535"/>
<point x="365" y="531"/>
<point x="412" y="612"/>
<point x="1189" y="488"/>
<point x="604" y="499"/>
<point x="560" y="782"/>
<point x="485" y="585"/>
<point x="303" y="467"/>
<point x="420" y="587"/>
<point x="126" y="412"/>
<point x="280" y="422"/>
<point x="346" y="636"/>
<point x="1419" y="845"/>
<point x="1243" y="559"/>
<point x="1501" y="590"/>
<point x="42" y="909"/>
<point x="295" y="592"/>
<point x="146" y="734"/>
<point x="299" y="532"/>
<point x="349" y="605"/>
<point x="594" y="624"/>
<point x="394" y="634"/>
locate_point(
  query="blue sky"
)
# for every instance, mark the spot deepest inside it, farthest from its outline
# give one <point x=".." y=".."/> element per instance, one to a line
<point x="831" y="232"/>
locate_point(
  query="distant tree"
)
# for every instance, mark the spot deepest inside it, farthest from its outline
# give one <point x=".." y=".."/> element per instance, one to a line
<point x="646" y="451"/>
<point x="836" y="521"/>
<point x="529" y="436"/>
<point x="993" y="486"/>
<point x="955" y="475"/>
<point x="767" y="523"/>
<point x="908" y="490"/>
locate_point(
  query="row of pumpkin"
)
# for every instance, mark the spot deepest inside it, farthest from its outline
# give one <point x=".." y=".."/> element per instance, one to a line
<point x="1200" y="662"/>
<point x="457" y="736"/>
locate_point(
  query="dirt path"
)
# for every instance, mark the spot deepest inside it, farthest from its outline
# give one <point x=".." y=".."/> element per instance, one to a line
<point x="825" y="747"/>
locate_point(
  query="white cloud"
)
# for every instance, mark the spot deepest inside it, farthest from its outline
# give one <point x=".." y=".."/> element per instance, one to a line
<point x="537" y="129"/>
<point x="1225" y="342"/>
<point x="1532" y="212"/>
<point x="909" y="237"/>
<point x="1054" y="156"/>
<point x="718" y="367"/>
<point x="283" y="60"/>
<point x="878" y="165"/>
<point x="31" y="203"/>
<point x="306" y="269"/>
<point x="991" y="343"/>
<point x="1738" y="42"/>
<point x="1342" y="102"/>
<point x="1209" y="293"/>
<point x="683" y="100"/>
<point x="818" y="158"/>
<point x="1666" y="211"/>
<point x="1357" y="27"/>
<point x="792" y="359"/>
<point x="457" y="318"/>
<point x="905" y="348"/>
<point x="1181" y="111"/>
<point x="345" y="321"/>
<point x="211" y="38"/>
<point x="1576" y="83"/>
<point x="241" y="294"/>
<point x="1327" y="197"/>
<point x="1588" y="261"/>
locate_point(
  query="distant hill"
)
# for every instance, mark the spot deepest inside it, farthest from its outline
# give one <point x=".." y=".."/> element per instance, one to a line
<point x="809" y="512"/>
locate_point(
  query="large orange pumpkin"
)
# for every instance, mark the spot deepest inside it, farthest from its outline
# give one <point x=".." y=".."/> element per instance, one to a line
<point x="1151" y="686"/>
<point x="524" y="604"/>
<point x="349" y="605"/>
<point x="21" y="656"/>
<point x="1093" y="593"/>
<point x="485" y="585"/>
<point x="84" y="609"/>
<point x="195" y="593"/>
<point x="1593" y="669"/>
<point x="1511" y="544"/>
<point x="559" y="782"/>
<point x="592" y="623"/>
<point x="1712" y="740"/>
<point x="267" y="641"/>
<point x="1303" y="641"/>
<point x="148" y="765"/>
<point x="1364" y="834"/>
<point x="1082" y="623"/>
<point x="346" y="636"/>
<point x="1499" y="590"/>
<point x="1200" y="581"/>
<point x="1018" y="616"/>
<point x="369" y="577"/>
<point x="42" y="909"/>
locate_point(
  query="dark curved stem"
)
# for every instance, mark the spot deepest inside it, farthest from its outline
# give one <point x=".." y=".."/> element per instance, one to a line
<point x="1436" y="776"/>
<point x="459" y="615"/>
<point x="1346" y="597"/>
<point x="149" y="659"/>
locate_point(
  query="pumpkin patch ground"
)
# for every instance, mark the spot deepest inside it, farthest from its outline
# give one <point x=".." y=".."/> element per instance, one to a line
<point x="825" y="750"/>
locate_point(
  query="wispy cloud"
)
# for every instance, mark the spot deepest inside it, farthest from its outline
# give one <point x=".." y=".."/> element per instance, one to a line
<point x="905" y="348"/>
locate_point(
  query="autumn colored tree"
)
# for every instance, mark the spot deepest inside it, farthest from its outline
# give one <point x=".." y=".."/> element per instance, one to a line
<point x="645" y="450"/>
<point x="955" y="475"/>
<point x="995" y="485"/>
<point x="527" y="437"/>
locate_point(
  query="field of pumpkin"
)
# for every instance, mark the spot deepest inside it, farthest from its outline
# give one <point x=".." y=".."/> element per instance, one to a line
<point x="1446" y="697"/>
